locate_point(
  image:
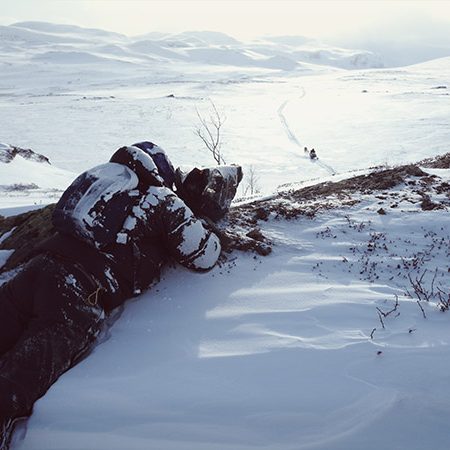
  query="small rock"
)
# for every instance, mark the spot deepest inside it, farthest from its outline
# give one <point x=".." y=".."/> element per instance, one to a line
<point x="428" y="205"/>
<point x="255" y="234"/>
<point x="261" y="214"/>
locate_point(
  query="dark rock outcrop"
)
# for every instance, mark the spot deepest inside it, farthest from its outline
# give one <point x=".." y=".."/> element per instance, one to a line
<point x="9" y="152"/>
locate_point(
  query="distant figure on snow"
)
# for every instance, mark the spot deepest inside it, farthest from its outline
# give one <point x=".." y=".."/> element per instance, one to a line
<point x="306" y="150"/>
<point x="312" y="154"/>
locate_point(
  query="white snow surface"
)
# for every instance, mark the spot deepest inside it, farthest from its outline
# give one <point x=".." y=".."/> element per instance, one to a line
<point x="27" y="182"/>
<point x="270" y="352"/>
<point x="280" y="352"/>
<point x="145" y="159"/>
<point x="25" y="172"/>
<point x="4" y="255"/>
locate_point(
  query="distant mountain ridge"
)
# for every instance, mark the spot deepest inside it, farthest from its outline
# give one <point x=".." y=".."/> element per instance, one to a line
<point x="47" y="43"/>
<point x="55" y="28"/>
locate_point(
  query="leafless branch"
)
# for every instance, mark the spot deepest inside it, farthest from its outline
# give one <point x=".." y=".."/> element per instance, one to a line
<point x="419" y="289"/>
<point x="252" y="182"/>
<point x="385" y="314"/>
<point x="444" y="303"/>
<point x="421" y="308"/>
<point x="432" y="282"/>
<point x="209" y="131"/>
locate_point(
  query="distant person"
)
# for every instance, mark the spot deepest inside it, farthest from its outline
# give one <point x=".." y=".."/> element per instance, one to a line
<point x="117" y="225"/>
<point x="306" y="150"/>
<point x="312" y="154"/>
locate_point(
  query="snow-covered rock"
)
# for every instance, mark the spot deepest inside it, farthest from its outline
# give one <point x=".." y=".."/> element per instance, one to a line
<point x="8" y="153"/>
<point x="22" y="170"/>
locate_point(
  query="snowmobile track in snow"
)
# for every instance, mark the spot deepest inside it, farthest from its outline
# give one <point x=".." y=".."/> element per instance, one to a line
<point x="293" y="138"/>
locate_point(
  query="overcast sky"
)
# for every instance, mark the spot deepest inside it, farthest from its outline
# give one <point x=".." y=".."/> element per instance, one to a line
<point x="241" y="18"/>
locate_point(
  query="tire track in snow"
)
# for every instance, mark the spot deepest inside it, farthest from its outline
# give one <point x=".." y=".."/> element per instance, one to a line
<point x="293" y="138"/>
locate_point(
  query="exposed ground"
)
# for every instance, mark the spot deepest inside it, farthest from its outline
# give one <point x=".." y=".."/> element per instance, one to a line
<point x="240" y="231"/>
<point x="243" y="233"/>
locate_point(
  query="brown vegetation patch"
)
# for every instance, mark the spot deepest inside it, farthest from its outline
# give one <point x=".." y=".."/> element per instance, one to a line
<point x="438" y="162"/>
<point x="31" y="228"/>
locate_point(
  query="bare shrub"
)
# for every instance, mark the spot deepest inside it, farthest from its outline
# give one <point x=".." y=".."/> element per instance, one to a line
<point x="209" y="131"/>
<point x="251" y="185"/>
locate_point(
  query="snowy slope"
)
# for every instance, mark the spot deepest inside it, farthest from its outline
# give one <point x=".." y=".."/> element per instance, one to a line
<point x="280" y="352"/>
<point x="21" y="171"/>
<point x="37" y="39"/>
<point x="27" y="180"/>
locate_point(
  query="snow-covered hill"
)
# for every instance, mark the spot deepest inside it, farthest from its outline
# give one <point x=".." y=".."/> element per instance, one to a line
<point x="28" y="178"/>
<point x="305" y="348"/>
<point x="37" y="39"/>
<point x="332" y="337"/>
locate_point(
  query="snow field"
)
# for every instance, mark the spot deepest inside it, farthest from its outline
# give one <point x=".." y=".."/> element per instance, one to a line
<point x="282" y="352"/>
<point x="21" y="171"/>
<point x="350" y="129"/>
